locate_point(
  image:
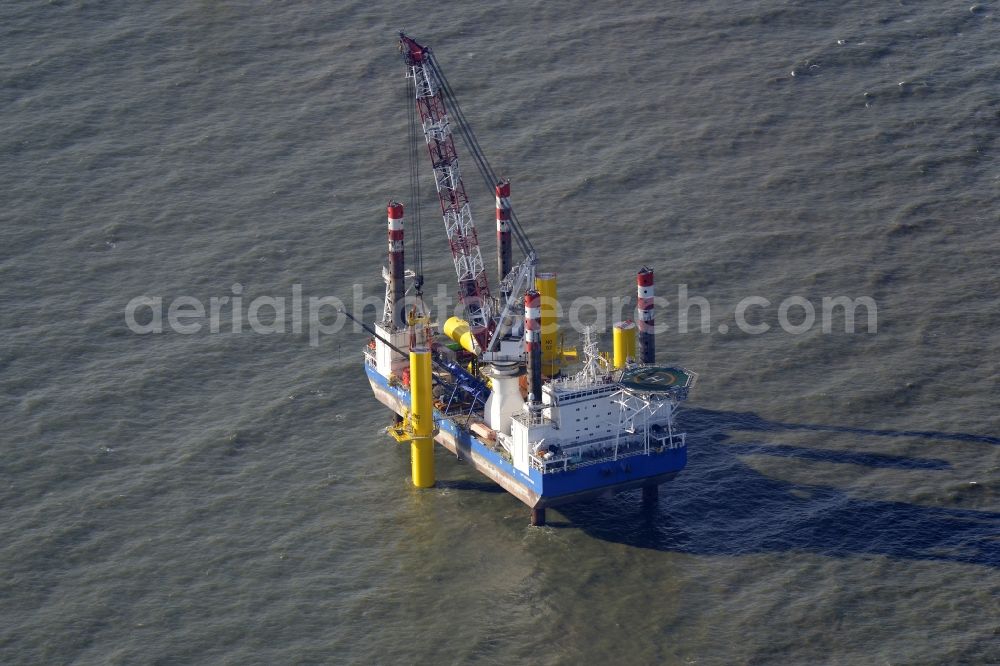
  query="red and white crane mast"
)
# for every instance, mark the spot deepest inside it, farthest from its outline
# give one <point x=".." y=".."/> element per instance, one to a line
<point x="474" y="291"/>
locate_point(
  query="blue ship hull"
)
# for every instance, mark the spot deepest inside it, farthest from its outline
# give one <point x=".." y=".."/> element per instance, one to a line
<point x="535" y="489"/>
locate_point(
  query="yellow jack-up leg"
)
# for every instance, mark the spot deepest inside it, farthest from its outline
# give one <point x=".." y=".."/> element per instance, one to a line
<point x="421" y="418"/>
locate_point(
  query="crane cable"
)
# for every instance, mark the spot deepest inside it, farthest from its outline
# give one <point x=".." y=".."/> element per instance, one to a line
<point x="416" y="245"/>
<point x="472" y="144"/>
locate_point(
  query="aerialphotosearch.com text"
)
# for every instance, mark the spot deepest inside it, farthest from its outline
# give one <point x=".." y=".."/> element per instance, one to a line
<point x="319" y="316"/>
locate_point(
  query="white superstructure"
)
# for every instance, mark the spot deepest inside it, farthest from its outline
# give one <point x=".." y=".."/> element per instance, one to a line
<point x="598" y="414"/>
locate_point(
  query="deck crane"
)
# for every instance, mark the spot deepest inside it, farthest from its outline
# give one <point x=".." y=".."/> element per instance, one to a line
<point x="489" y="317"/>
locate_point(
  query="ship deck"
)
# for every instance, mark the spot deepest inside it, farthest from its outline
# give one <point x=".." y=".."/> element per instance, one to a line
<point x="566" y="481"/>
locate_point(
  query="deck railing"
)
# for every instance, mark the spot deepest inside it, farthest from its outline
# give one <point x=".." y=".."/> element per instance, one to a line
<point x="566" y="462"/>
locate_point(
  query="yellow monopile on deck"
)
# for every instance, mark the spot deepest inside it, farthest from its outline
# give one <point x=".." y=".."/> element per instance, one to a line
<point x="421" y="418"/>
<point x="545" y="284"/>
<point x="624" y="341"/>
<point x="458" y="330"/>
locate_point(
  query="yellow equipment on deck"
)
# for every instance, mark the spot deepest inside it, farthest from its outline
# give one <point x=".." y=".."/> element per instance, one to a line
<point x="458" y="330"/>
<point x="545" y="284"/>
<point x="624" y="342"/>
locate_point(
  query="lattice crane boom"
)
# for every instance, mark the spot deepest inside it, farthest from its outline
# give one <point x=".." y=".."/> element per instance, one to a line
<point x="473" y="288"/>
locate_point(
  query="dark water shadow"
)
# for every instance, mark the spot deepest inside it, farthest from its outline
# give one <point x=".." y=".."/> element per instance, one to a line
<point x="719" y="505"/>
<point x="847" y="457"/>
<point x="469" y="484"/>
<point x="751" y="421"/>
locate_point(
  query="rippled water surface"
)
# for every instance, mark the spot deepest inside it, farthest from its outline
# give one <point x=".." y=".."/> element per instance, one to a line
<point x="231" y="498"/>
